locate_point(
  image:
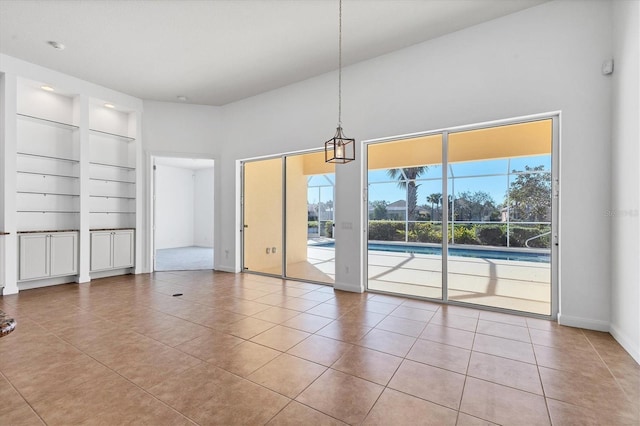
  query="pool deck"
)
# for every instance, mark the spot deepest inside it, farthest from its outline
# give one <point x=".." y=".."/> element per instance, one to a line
<point x="509" y="284"/>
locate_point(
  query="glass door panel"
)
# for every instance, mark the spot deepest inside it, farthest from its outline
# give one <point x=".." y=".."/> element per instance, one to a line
<point x="262" y="215"/>
<point x="310" y="249"/>
<point x="404" y="218"/>
<point x="499" y="194"/>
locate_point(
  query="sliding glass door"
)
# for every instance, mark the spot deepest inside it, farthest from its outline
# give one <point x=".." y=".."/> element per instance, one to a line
<point x="262" y="216"/>
<point x="288" y="207"/>
<point x="494" y="221"/>
<point x="405" y="217"/>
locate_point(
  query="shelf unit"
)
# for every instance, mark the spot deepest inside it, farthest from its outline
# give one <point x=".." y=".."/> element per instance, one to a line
<point x="112" y="178"/>
<point x="76" y="165"/>
<point x="47" y="162"/>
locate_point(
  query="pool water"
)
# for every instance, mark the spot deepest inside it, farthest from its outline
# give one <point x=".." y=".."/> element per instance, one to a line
<point x="463" y="252"/>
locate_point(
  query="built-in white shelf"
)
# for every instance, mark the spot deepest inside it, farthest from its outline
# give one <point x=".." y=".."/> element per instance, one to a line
<point x="47" y="121"/>
<point x="112" y="135"/>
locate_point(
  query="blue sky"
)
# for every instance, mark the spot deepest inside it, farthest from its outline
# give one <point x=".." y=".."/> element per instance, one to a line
<point x="470" y="176"/>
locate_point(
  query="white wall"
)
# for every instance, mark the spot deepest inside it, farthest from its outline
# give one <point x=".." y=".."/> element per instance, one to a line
<point x="174" y="216"/>
<point x="542" y="59"/>
<point x="625" y="185"/>
<point x="203" y="208"/>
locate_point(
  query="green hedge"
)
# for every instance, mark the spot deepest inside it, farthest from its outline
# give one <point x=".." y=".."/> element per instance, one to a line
<point x="478" y="234"/>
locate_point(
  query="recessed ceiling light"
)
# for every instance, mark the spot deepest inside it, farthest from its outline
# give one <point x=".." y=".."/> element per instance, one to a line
<point x="182" y="98"/>
<point x="56" y="45"/>
<point x="108" y="105"/>
<point x="47" y="88"/>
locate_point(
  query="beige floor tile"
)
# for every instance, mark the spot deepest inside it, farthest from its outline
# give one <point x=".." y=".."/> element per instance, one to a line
<point x="588" y="390"/>
<point x="296" y="414"/>
<point x="431" y="383"/>
<point x="14" y="410"/>
<point x="300" y="305"/>
<point x="209" y="345"/>
<point x="319" y="349"/>
<point x="247" y="328"/>
<point x="503" y="405"/>
<point x="559" y="338"/>
<point x="280" y="338"/>
<point x="467" y="420"/>
<point x="416" y="314"/>
<point x="505" y="348"/>
<point x="402" y="325"/>
<point x="503" y="371"/>
<point x="378" y="307"/>
<point x="346" y="331"/>
<point x="341" y="396"/>
<point x="44" y="381"/>
<point x="211" y="396"/>
<point x="287" y="374"/>
<point x="276" y="314"/>
<point x="147" y="370"/>
<point x="368" y="364"/>
<point x="440" y="355"/>
<point x="571" y="415"/>
<point x="328" y="310"/>
<point x="388" y="342"/>
<point x="570" y="359"/>
<point x="449" y="336"/>
<point x="508" y="331"/>
<point x="454" y="321"/>
<point x="112" y="400"/>
<point x="460" y="311"/>
<point x="122" y="350"/>
<point x="422" y="304"/>
<point x="398" y="409"/>
<point x="245" y="358"/>
<point x="359" y="316"/>
<point x="503" y="318"/>
<point x="307" y="322"/>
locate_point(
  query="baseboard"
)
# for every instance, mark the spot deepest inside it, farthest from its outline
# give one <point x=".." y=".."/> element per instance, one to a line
<point x="633" y="348"/>
<point x="225" y="268"/>
<point x="587" y="323"/>
<point x="354" y="288"/>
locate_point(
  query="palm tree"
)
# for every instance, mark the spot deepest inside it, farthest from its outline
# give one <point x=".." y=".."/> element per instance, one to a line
<point x="434" y="198"/>
<point x="407" y="180"/>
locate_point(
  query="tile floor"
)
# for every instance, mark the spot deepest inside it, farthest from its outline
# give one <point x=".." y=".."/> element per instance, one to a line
<point x="247" y="349"/>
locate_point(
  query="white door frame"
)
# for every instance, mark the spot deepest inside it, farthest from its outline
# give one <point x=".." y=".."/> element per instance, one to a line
<point x="555" y="116"/>
<point x="151" y="196"/>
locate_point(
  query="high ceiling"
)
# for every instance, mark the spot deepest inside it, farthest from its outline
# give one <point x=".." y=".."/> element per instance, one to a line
<point x="216" y="52"/>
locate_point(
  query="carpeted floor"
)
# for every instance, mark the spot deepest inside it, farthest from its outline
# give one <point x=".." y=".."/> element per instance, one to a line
<point x="184" y="259"/>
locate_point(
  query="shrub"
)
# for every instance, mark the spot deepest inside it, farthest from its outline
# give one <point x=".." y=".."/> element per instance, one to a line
<point x="425" y="233"/>
<point x="492" y="235"/>
<point x="328" y="228"/>
<point x="464" y="234"/>
<point x="386" y="230"/>
<point x="518" y="235"/>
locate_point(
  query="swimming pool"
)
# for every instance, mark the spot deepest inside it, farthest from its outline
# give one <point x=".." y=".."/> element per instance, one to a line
<point x="456" y="251"/>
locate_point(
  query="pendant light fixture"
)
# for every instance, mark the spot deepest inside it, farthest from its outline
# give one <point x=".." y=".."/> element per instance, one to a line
<point x="339" y="149"/>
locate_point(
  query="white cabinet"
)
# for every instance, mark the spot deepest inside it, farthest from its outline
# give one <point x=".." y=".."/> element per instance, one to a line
<point x="112" y="249"/>
<point x="44" y="255"/>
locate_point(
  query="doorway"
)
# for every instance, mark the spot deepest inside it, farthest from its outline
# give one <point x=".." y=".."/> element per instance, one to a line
<point x="287" y="213"/>
<point x="469" y="217"/>
<point x="183" y="213"/>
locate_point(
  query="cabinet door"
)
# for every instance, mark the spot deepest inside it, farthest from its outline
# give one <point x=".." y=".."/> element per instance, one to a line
<point x="100" y="251"/>
<point x="123" y="249"/>
<point x="34" y="256"/>
<point x="63" y="249"/>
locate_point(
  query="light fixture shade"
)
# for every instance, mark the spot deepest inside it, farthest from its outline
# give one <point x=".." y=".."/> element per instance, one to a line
<point x="339" y="149"/>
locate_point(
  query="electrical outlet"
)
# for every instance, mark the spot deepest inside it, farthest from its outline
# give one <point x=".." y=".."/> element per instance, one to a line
<point x="273" y="250"/>
<point x="268" y="250"/>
